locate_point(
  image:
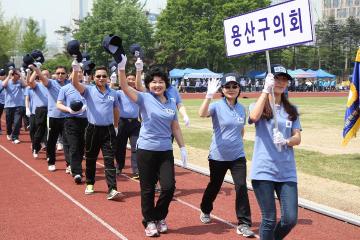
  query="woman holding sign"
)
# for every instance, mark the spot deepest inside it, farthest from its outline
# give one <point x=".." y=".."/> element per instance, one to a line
<point x="226" y="150"/>
<point x="273" y="164"/>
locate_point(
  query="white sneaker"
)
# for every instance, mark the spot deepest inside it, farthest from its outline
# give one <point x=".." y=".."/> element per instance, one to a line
<point x="8" y="137"/>
<point x="68" y="170"/>
<point x="35" y="155"/>
<point x="151" y="230"/>
<point x="205" y="218"/>
<point x="59" y="147"/>
<point x="162" y="226"/>
<point x="16" y="141"/>
<point x="51" y="168"/>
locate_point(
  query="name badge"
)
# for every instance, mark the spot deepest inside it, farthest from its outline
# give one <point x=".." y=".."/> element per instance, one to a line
<point x="111" y="98"/>
<point x="288" y="124"/>
<point x="240" y="120"/>
<point x="169" y="111"/>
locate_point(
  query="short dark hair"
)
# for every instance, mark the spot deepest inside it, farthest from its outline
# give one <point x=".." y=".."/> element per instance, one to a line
<point x="131" y="73"/>
<point x="60" y="66"/>
<point x="156" y="72"/>
<point x="101" y="68"/>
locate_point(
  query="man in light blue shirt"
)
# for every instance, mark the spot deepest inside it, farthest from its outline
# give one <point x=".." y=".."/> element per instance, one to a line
<point x="14" y="104"/>
<point x="103" y="115"/>
<point x="2" y="94"/>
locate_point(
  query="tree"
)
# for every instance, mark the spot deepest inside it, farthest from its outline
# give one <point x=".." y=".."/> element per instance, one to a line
<point x="32" y="39"/>
<point x="124" y="18"/>
<point x="61" y="59"/>
<point x="190" y="33"/>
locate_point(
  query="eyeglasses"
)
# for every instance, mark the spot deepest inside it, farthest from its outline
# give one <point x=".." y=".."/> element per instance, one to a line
<point x="231" y="86"/>
<point x="60" y="73"/>
<point x="101" y="76"/>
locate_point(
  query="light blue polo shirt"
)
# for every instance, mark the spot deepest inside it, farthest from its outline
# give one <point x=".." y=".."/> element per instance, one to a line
<point x="173" y="94"/>
<point x="29" y="92"/>
<point x="228" y="123"/>
<point x="267" y="163"/>
<point x="100" y="106"/>
<point x="67" y="94"/>
<point x="53" y="88"/>
<point x="128" y="108"/>
<point x="2" y="93"/>
<point x="155" y="132"/>
<point x="14" y="94"/>
<point x="40" y="96"/>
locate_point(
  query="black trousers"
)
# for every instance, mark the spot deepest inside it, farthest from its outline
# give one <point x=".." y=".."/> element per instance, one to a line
<point x="1" y="111"/>
<point x="56" y="127"/>
<point x="14" y="117"/>
<point x="32" y="130"/>
<point x="96" y="138"/>
<point x="154" y="166"/>
<point x="39" y="127"/>
<point x="129" y="128"/>
<point x="74" y="136"/>
<point x="218" y="170"/>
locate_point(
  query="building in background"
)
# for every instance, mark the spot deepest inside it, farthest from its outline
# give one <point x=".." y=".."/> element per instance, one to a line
<point x="341" y="9"/>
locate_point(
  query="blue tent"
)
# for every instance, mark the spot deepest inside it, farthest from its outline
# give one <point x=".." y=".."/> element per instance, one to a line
<point x="176" y="73"/>
<point x="253" y="73"/>
<point x="260" y="75"/>
<point x="193" y="73"/>
<point x="322" y="74"/>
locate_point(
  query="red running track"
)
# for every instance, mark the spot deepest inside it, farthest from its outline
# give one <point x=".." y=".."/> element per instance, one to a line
<point x="37" y="204"/>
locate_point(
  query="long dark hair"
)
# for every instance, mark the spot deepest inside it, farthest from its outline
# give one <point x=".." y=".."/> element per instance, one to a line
<point x="289" y="108"/>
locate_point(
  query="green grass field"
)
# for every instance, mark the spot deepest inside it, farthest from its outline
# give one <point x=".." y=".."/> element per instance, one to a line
<point x="316" y="113"/>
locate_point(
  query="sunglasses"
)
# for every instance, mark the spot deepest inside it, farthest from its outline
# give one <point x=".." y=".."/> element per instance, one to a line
<point x="231" y="86"/>
<point x="101" y="76"/>
<point x="60" y="73"/>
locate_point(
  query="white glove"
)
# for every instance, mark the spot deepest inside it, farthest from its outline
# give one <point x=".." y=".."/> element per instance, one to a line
<point x="113" y="77"/>
<point x="186" y="121"/>
<point x="269" y="83"/>
<point x="28" y="71"/>
<point x="27" y="112"/>
<point x="23" y="75"/>
<point x="116" y="131"/>
<point x="122" y="64"/>
<point x="278" y="138"/>
<point x="139" y="65"/>
<point x="184" y="156"/>
<point x="75" y="66"/>
<point x="213" y="86"/>
<point x="38" y="64"/>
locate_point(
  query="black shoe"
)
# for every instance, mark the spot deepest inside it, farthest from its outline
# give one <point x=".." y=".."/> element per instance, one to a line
<point x="77" y="179"/>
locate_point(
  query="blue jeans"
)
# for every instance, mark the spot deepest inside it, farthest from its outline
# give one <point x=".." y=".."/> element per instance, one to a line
<point x="288" y="196"/>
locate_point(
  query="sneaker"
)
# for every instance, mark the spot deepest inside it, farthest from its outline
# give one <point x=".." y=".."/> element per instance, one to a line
<point x="8" y="137"/>
<point x="59" y="147"/>
<point x="151" y="230"/>
<point x="16" y="141"/>
<point x="162" y="226"/>
<point x="43" y="146"/>
<point x="77" y="178"/>
<point x="51" y="168"/>
<point x="113" y="194"/>
<point x="244" y="229"/>
<point x="35" y="154"/>
<point x="135" y="176"/>
<point x="68" y="170"/>
<point x="205" y="218"/>
<point x="118" y="171"/>
<point x="89" y="189"/>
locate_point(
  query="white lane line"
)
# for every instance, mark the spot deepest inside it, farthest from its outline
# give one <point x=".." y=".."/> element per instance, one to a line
<point x="190" y="205"/>
<point x="93" y="215"/>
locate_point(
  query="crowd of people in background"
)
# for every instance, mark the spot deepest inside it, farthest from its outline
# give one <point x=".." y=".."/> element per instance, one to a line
<point x="255" y="85"/>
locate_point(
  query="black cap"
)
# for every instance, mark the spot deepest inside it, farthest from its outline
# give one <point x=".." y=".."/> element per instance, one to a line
<point x="113" y="45"/>
<point x="136" y="50"/>
<point x="76" y="105"/>
<point x="229" y="77"/>
<point x="2" y="72"/>
<point x="85" y="56"/>
<point x="87" y="67"/>
<point x="10" y="65"/>
<point x="38" y="56"/>
<point x="73" y="48"/>
<point x="280" y="70"/>
<point x="28" y="60"/>
<point x="113" y="66"/>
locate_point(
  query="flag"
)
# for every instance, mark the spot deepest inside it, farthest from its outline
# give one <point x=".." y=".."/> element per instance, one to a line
<point x="352" y="114"/>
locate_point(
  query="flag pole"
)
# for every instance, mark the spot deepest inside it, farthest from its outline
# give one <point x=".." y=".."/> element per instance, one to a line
<point x="276" y="127"/>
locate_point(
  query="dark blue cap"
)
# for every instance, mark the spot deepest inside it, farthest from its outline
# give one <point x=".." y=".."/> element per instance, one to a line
<point x="76" y="105"/>
<point x="73" y="48"/>
<point x="113" y="45"/>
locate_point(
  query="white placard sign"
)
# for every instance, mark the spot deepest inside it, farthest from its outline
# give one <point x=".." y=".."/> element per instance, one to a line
<point x="280" y="25"/>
